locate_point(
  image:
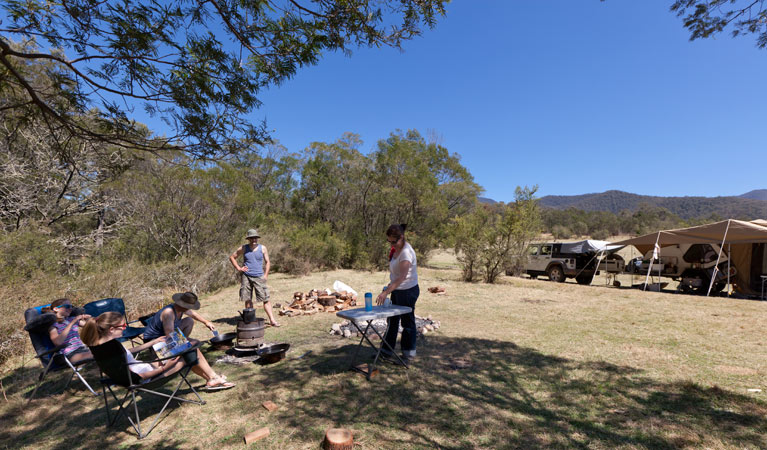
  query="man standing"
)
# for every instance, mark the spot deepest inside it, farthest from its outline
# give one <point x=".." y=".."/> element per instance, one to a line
<point x="254" y="270"/>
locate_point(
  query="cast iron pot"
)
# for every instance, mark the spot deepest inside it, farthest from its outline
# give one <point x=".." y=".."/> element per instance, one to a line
<point x="272" y="353"/>
<point x="223" y="339"/>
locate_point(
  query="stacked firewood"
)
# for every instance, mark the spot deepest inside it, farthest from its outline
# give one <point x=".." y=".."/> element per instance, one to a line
<point x="318" y="300"/>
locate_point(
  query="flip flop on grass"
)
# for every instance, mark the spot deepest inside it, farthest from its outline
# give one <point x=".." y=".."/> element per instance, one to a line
<point x="218" y="384"/>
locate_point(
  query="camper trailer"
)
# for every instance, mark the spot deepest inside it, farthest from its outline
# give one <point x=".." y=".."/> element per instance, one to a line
<point x="690" y="264"/>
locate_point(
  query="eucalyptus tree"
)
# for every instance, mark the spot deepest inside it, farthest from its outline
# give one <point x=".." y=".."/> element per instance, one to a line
<point x="706" y="18"/>
<point x="197" y="66"/>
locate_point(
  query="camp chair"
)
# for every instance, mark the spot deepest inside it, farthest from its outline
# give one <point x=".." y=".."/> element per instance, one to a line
<point x="37" y="325"/>
<point x="111" y="359"/>
<point x="94" y="309"/>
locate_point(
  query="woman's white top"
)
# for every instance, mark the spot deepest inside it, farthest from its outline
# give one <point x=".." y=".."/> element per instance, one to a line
<point x="406" y="254"/>
<point x="137" y="368"/>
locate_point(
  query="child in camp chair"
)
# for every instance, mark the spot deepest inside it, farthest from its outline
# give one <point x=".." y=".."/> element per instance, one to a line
<point x="65" y="330"/>
<point x="110" y="325"/>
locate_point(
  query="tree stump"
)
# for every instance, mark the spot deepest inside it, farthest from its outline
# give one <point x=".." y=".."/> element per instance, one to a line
<point x="338" y="439"/>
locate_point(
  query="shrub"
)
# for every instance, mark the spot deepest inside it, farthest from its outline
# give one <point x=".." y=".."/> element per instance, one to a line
<point x="561" y="232"/>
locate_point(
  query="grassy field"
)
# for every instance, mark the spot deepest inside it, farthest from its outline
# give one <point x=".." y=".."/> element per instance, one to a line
<point x="519" y="364"/>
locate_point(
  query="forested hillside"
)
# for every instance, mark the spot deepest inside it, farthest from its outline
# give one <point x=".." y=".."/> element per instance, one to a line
<point x="684" y="207"/>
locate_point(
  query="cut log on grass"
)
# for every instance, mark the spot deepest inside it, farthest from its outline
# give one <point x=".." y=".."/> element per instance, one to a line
<point x="269" y="405"/>
<point x="327" y="300"/>
<point x="338" y="439"/>
<point x="257" y="435"/>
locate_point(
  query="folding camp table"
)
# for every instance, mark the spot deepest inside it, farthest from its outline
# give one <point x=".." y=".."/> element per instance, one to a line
<point x="378" y="312"/>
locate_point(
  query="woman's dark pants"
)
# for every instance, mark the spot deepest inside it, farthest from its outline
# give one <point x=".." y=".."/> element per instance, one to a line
<point x="406" y="297"/>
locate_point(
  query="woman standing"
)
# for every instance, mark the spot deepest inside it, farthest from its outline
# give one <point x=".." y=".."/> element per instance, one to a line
<point x="66" y="330"/>
<point x="404" y="291"/>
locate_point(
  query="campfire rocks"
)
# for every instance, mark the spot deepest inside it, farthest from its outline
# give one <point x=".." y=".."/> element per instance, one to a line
<point x="424" y="325"/>
<point x="318" y="300"/>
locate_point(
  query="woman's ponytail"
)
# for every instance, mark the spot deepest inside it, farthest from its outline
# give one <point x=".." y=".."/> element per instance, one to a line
<point x="97" y="327"/>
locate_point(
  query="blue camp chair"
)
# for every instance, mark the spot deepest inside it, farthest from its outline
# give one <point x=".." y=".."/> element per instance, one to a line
<point x="94" y="309"/>
<point x="37" y="325"/>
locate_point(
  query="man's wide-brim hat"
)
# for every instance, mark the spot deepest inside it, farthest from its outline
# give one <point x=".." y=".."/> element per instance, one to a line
<point x="186" y="300"/>
<point x="253" y="233"/>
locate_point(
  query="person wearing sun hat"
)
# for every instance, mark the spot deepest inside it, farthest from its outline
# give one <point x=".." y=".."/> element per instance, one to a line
<point x="170" y="317"/>
<point x="253" y="273"/>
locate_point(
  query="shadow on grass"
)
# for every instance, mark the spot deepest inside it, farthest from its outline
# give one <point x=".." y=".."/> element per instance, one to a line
<point x="469" y="393"/>
<point x="460" y="393"/>
<point x="72" y="418"/>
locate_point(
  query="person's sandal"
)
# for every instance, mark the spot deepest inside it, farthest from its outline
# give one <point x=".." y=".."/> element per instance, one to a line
<point x="275" y="324"/>
<point x="222" y="384"/>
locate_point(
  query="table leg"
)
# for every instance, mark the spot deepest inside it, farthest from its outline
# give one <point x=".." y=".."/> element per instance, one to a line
<point x="378" y="349"/>
<point x="383" y="342"/>
<point x="364" y="336"/>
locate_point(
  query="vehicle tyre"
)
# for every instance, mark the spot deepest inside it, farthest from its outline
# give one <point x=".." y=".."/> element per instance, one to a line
<point x="583" y="279"/>
<point x="556" y="274"/>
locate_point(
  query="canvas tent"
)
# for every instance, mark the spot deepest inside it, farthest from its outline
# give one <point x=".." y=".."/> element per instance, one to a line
<point x="588" y="246"/>
<point x="744" y="241"/>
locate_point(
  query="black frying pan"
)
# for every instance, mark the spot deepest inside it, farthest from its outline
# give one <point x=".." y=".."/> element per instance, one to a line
<point x="223" y="339"/>
<point x="272" y="353"/>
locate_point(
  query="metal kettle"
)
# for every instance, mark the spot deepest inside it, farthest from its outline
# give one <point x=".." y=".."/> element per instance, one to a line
<point x="248" y="315"/>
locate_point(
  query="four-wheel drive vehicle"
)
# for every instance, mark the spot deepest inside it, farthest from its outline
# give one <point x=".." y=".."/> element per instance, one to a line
<point x="691" y="264"/>
<point x="576" y="260"/>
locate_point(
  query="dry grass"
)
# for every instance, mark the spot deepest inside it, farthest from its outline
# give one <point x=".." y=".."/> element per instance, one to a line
<point x="519" y="364"/>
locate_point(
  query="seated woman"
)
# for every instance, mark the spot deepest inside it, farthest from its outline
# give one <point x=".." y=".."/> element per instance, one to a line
<point x="110" y="325"/>
<point x="65" y="330"/>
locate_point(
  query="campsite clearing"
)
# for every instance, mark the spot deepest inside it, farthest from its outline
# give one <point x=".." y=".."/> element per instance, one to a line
<point x="522" y="363"/>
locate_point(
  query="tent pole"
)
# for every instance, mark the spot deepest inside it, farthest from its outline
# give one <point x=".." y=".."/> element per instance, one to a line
<point x="716" y="267"/>
<point x="599" y="259"/>
<point x="649" y="269"/>
<point x="729" y="258"/>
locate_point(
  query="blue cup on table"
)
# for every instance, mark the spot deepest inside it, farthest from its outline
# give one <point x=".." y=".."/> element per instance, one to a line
<point x="368" y="301"/>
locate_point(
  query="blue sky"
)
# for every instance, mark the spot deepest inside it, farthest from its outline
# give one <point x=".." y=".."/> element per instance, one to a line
<point x="576" y="96"/>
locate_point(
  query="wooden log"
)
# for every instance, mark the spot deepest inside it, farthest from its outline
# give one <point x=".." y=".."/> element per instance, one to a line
<point x="256" y="435"/>
<point x="338" y="439"/>
<point x="326" y="300"/>
<point x="269" y="405"/>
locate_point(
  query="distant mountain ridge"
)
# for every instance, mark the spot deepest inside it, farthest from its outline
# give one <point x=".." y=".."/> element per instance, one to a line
<point x="758" y="194"/>
<point x="749" y="206"/>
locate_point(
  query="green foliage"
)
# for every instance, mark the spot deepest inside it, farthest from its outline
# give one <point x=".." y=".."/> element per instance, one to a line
<point x="405" y="180"/>
<point x="710" y="17"/>
<point x="493" y="238"/>
<point x="561" y="232"/>
<point x="468" y="232"/>
<point x="163" y="58"/>
<point x="315" y="247"/>
<point x="30" y="254"/>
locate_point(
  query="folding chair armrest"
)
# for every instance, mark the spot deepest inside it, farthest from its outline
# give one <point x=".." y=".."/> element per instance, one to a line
<point x="194" y="347"/>
<point x="55" y="349"/>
